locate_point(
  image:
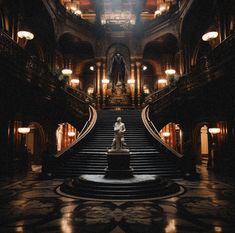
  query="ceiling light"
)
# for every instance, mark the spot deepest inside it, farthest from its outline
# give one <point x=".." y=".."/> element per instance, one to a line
<point x="25" y="34"/>
<point x="209" y="36"/>
<point x="67" y="71"/>
<point x="170" y="72"/>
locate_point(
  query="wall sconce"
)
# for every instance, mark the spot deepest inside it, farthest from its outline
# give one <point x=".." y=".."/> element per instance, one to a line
<point x="105" y="81"/>
<point x="23" y="130"/>
<point x="162" y="81"/>
<point x="67" y="71"/>
<point x="131" y="81"/>
<point x="210" y="35"/>
<point x="214" y="130"/>
<point x="25" y="34"/>
<point x="90" y="90"/>
<point x="144" y="67"/>
<point x="170" y="72"/>
<point x="71" y="134"/>
<point x="166" y="134"/>
<point x="157" y="13"/>
<point x="78" y="12"/>
<point x="75" y="81"/>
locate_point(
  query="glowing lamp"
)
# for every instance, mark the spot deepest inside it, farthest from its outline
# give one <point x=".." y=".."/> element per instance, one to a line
<point x="170" y="72"/>
<point x="67" y="71"/>
<point x="209" y="36"/>
<point x="90" y="90"/>
<point x="157" y="13"/>
<point x="131" y="81"/>
<point x="105" y="81"/>
<point x="71" y="134"/>
<point x="92" y="68"/>
<point x="214" y="130"/>
<point x="145" y="67"/>
<point x="162" y="81"/>
<point x="23" y="130"/>
<point x="74" y="81"/>
<point x="166" y="134"/>
<point x="25" y="34"/>
<point x="77" y="12"/>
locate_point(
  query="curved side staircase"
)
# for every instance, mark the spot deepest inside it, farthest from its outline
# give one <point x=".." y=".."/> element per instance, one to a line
<point x="89" y="157"/>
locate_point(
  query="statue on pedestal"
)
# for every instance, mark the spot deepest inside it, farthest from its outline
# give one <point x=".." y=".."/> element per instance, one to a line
<point x="118" y="156"/>
<point x="118" y="140"/>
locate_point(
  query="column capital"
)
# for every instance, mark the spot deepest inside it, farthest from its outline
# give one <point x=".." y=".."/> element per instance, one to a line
<point x="98" y="64"/>
<point x="138" y="64"/>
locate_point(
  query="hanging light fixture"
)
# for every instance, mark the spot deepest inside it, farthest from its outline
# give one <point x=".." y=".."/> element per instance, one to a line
<point x="210" y="35"/>
<point x="23" y="130"/>
<point x="67" y="71"/>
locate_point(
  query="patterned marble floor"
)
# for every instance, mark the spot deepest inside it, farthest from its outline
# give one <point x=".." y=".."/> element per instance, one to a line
<point x="31" y="205"/>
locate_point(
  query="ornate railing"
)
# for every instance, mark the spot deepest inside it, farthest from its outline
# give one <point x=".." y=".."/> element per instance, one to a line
<point x="90" y="123"/>
<point x="207" y="70"/>
<point x="62" y="11"/>
<point x="155" y="133"/>
<point x="19" y="64"/>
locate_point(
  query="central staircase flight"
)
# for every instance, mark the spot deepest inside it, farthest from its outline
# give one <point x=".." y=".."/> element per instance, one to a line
<point x="89" y="155"/>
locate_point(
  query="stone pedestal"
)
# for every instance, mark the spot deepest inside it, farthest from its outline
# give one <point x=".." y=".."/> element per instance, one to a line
<point x="118" y="164"/>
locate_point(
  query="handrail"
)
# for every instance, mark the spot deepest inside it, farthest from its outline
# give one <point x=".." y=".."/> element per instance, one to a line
<point x="85" y="130"/>
<point x="77" y="93"/>
<point x="155" y="133"/>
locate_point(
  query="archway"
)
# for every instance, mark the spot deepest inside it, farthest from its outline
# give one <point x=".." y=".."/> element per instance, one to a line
<point x="172" y="135"/>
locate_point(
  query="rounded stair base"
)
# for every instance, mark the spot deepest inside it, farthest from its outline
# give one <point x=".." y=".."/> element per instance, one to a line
<point x="138" y="187"/>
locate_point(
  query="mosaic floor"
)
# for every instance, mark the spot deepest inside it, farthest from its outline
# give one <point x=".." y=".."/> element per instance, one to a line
<point x="31" y="205"/>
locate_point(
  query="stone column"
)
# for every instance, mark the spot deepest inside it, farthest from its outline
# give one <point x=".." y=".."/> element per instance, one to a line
<point x="189" y="160"/>
<point x="104" y="85"/>
<point x="4" y="158"/>
<point x="132" y="85"/>
<point x="98" y="77"/>
<point x="138" y="66"/>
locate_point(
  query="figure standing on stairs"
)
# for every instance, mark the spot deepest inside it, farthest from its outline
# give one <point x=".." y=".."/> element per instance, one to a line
<point x="119" y="130"/>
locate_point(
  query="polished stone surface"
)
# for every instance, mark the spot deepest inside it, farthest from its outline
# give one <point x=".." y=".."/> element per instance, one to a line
<point x="31" y="205"/>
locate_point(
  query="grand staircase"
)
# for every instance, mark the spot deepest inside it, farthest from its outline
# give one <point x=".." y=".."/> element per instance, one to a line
<point x="90" y="156"/>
